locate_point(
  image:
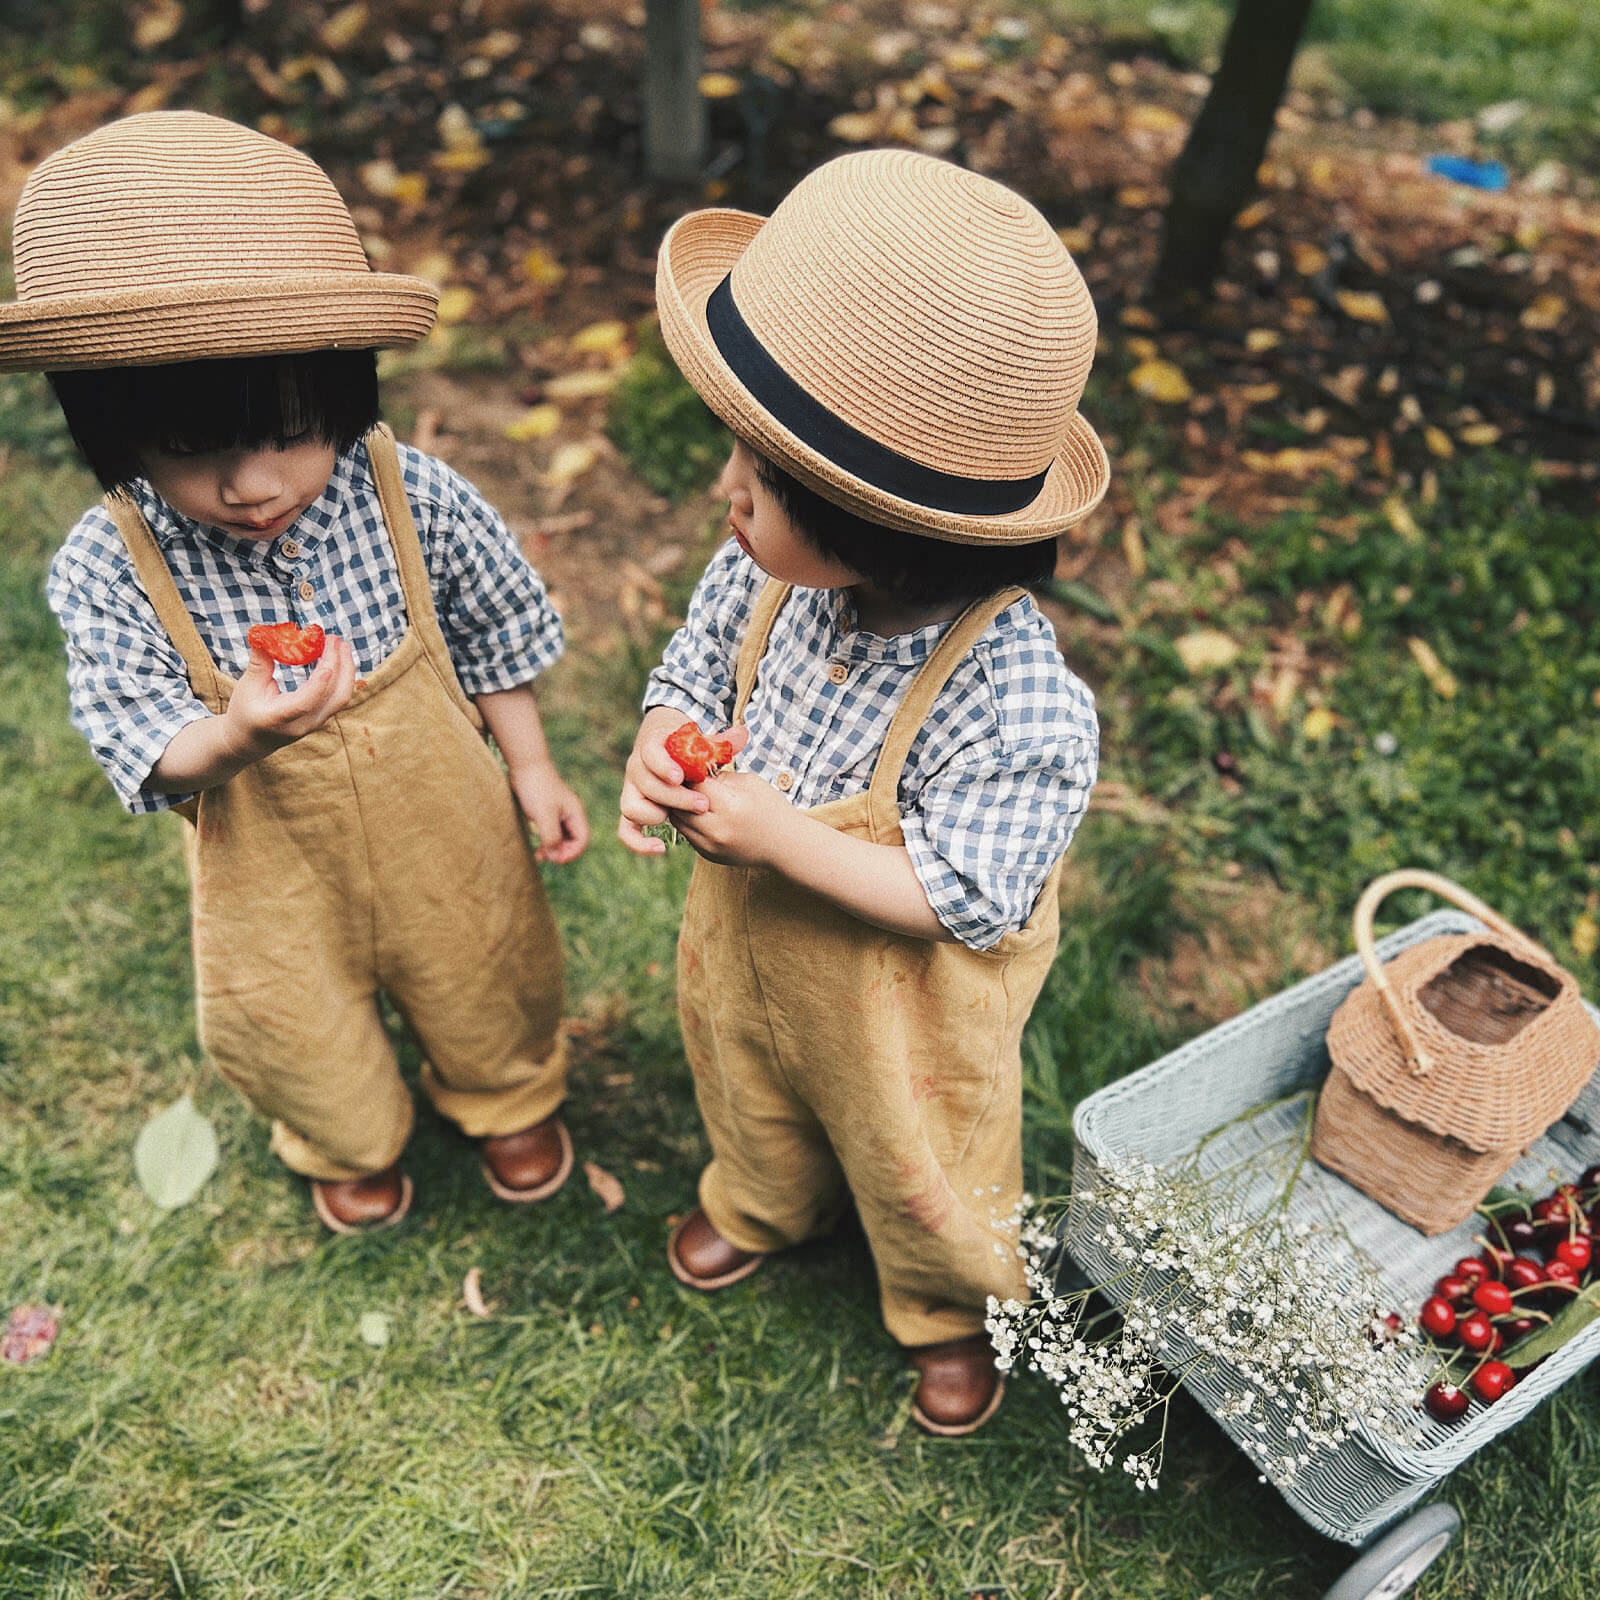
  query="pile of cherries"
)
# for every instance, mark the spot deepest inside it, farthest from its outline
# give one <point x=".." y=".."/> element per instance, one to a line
<point x="1530" y="1267"/>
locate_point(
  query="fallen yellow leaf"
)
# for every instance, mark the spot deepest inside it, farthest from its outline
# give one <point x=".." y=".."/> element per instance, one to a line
<point x="1439" y="676"/>
<point x="1319" y="723"/>
<point x="1363" y="305"/>
<point x="538" y="423"/>
<point x="1142" y="349"/>
<point x="965" y="58"/>
<point x="1206" y="650"/>
<point x="1478" y="433"/>
<point x="1260" y="339"/>
<point x="1546" y="312"/>
<point x="1133" y="547"/>
<point x="1438" y="441"/>
<point x="455" y="304"/>
<point x="1156" y="119"/>
<point x="343" y="28"/>
<point x="1161" y="381"/>
<point x="1077" y="240"/>
<point x="601" y="338"/>
<point x="856" y="127"/>
<point x="569" y="462"/>
<point x="1401" y="520"/>
<point x="718" y="85"/>
<point x="1585" y="935"/>
<point x="1253" y="215"/>
<point x="157" y="23"/>
<point x="410" y="188"/>
<point x="581" y="385"/>
<point x="1308" y="259"/>
<point x="542" y="269"/>
<point x="434" y="268"/>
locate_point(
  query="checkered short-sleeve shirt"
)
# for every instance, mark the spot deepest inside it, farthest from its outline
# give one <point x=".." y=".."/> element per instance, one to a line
<point x="130" y="692"/>
<point x="995" y="783"/>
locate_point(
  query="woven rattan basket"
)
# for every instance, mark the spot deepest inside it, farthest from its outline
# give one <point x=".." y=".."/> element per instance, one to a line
<point x="1449" y="1062"/>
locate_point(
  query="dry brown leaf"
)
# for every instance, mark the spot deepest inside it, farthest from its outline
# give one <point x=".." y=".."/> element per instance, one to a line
<point x="1401" y="520"/>
<point x="584" y="385"/>
<point x="1439" y="676"/>
<point x="569" y="462"/>
<point x="601" y="338"/>
<point x="610" y="1191"/>
<point x="1438" y="442"/>
<point x="857" y="127"/>
<point x="541" y="269"/>
<point x="472" y="1292"/>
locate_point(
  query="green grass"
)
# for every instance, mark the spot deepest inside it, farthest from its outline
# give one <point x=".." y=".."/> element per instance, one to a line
<point x="1429" y="59"/>
<point x="211" y="1424"/>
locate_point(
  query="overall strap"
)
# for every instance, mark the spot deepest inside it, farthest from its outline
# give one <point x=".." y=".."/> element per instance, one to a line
<point x="155" y="578"/>
<point x="407" y="546"/>
<point x="768" y="604"/>
<point x="883" y="804"/>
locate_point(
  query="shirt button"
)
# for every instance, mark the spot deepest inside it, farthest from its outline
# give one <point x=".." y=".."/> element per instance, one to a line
<point x="290" y="547"/>
<point x="308" y="591"/>
<point x="838" y="672"/>
<point x="785" y="782"/>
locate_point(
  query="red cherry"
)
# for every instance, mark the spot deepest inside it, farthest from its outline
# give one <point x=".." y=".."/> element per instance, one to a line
<point x="1519" y="1328"/>
<point x="1475" y="1331"/>
<point x="1497" y="1340"/>
<point x="1456" y="1290"/>
<point x="1495" y="1255"/>
<point x="1491" y="1380"/>
<point x="1577" y="1253"/>
<point x="1561" y="1272"/>
<point x="1494" y="1298"/>
<point x="1590" y="1178"/>
<point x="1445" y="1401"/>
<point x="1524" y="1273"/>
<point x="1438" y="1317"/>
<point x="1521" y="1233"/>
<point x="1473" y="1268"/>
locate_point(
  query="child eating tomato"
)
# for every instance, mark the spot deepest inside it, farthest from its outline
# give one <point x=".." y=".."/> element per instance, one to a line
<point x="900" y="352"/>
<point x="200" y="299"/>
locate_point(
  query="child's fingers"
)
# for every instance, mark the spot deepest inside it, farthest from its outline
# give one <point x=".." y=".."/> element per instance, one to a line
<point x="738" y="736"/>
<point x="638" y="841"/>
<point x="649" y="810"/>
<point x="569" y="833"/>
<point x="673" y="796"/>
<point x="655" y="760"/>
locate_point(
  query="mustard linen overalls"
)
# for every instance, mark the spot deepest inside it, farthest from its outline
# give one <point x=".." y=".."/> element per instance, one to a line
<point x="385" y="851"/>
<point x="829" y="1053"/>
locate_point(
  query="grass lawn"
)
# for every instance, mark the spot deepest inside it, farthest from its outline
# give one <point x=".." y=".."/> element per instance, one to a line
<point x="212" y="1423"/>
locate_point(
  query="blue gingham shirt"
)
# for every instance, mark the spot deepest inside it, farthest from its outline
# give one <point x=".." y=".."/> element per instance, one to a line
<point x="996" y="781"/>
<point x="130" y="691"/>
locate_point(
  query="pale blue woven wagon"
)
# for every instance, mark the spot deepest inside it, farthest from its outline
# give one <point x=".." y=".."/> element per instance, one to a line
<point x="1358" y="1492"/>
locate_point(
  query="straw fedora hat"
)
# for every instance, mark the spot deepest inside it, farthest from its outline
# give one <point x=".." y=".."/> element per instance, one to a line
<point x="908" y="338"/>
<point x="176" y="236"/>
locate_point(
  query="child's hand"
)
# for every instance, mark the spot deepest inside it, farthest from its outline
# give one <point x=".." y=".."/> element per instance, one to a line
<point x="743" y="823"/>
<point x="262" y="718"/>
<point x="653" y="783"/>
<point x="554" y="812"/>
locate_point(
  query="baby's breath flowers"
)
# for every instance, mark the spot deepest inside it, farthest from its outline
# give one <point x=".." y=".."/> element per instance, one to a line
<point x="1279" y="1321"/>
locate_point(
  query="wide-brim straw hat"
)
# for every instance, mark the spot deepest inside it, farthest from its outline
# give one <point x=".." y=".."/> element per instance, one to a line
<point x="908" y="338"/>
<point x="177" y="236"/>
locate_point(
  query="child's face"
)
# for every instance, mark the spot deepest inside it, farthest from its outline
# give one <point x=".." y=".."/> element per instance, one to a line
<point x="252" y="493"/>
<point x="768" y="537"/>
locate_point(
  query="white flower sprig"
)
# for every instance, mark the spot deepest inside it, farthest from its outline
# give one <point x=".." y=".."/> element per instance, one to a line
<point x="1281" y="1317"/>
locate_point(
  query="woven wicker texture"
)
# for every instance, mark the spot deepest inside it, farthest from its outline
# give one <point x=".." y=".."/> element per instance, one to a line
<point x="176" y="236"/>
<point x="1449" y="1062"/>
<point x="929" y="308"/>
<point x="1274" y="1050"/>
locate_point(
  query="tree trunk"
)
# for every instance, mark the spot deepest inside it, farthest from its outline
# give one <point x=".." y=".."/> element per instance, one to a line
<point x="674" y="113"/>
<point x="1215" y="175"/>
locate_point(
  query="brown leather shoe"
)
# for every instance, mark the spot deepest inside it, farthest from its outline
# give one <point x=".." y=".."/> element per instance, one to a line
<point x="701" y="1258"/>
<point x="960" y="1388"/>
<point x="359" y="1205"/>
<point x="530" y="1165"/>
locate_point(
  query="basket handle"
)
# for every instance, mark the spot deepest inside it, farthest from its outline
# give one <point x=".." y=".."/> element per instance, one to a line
<point x="1378" y="890"/>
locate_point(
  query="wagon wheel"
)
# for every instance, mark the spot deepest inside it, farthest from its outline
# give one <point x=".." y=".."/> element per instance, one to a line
<point x="1389" y="1567"/>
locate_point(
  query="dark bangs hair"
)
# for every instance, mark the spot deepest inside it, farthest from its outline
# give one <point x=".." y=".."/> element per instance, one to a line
<point x="116" y="414"/>
<point x="909" y="565"/>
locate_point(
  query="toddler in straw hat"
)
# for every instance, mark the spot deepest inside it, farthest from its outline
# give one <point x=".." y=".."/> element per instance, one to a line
<point x="198" y="294"/>
<point x="899" y="352"/>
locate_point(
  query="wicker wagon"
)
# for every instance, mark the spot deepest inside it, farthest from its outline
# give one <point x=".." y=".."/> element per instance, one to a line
<point x="1357" y="1491"/>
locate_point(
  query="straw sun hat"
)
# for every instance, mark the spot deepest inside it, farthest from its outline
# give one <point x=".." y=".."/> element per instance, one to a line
<point x="908" y="338"/>
<point x="176" y="236"/>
